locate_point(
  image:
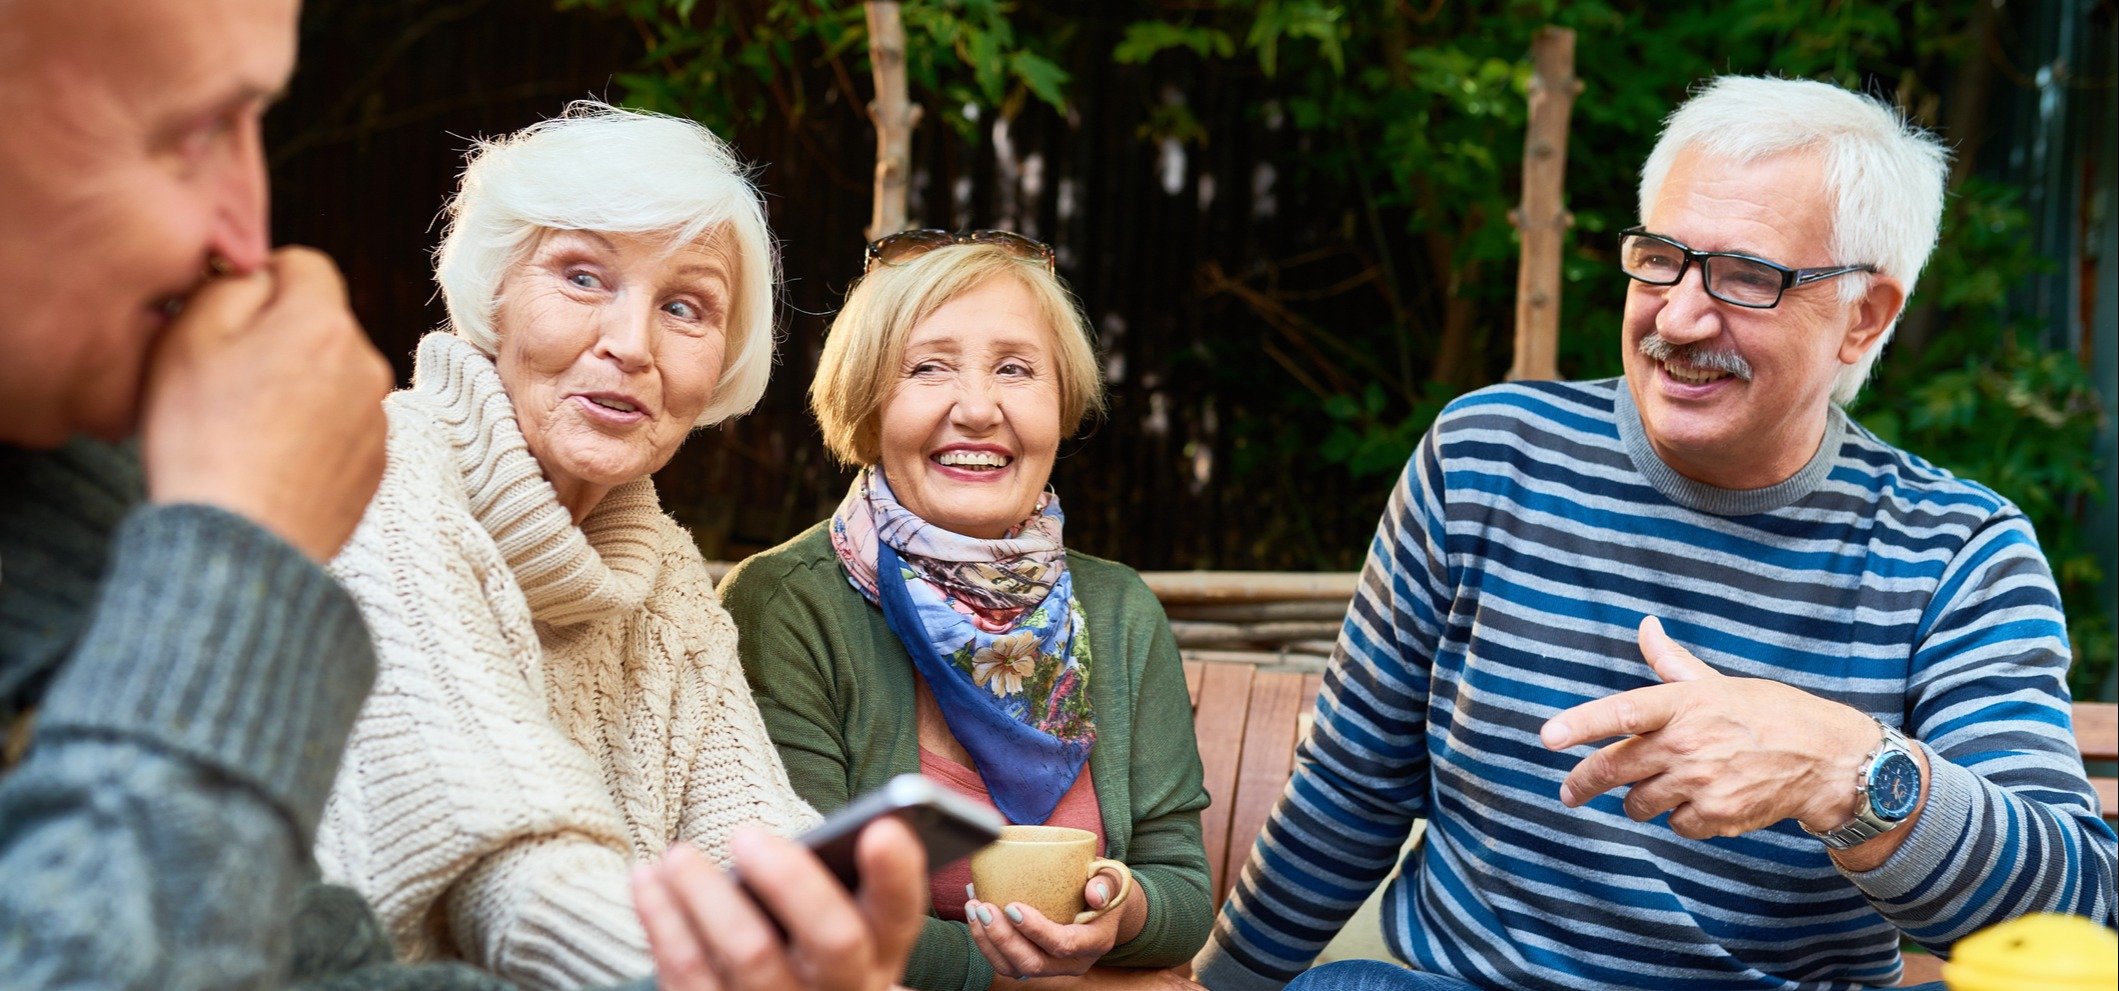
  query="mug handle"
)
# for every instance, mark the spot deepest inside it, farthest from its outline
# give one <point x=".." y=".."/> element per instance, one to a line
<point x="1125" y="887"/>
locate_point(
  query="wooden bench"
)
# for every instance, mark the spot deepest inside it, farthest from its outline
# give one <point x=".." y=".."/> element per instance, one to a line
<point x="1250" y="717"/>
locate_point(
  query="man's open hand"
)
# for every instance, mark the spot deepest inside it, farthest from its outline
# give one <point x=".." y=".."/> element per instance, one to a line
<point x="1724" y="756"/>
<point x="265" y="399"/>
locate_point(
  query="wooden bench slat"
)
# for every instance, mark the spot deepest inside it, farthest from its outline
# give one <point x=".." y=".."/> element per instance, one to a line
<point x="1220" y="721"/>
<point x="1268" y="759"/>
<point x="1921" y="968"/>
<point x="1180" y="588"/>
<point x="2097" y="730"/>
<point x="1312" y="686"/>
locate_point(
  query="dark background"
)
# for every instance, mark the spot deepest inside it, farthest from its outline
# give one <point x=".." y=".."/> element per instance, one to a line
<point x="1291" y="261"/>
<point x="369" y="142"/>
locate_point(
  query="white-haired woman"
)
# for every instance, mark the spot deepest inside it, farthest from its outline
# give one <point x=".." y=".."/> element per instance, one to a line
<point x="559" y="695"/>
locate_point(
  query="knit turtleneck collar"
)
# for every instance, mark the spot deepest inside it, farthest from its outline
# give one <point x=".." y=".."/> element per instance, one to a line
<point x="1713" y="499"/>
<point x="570" y="574"/>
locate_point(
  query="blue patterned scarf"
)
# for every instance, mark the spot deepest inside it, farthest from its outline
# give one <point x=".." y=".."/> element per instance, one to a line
<point x="994" y="630"/>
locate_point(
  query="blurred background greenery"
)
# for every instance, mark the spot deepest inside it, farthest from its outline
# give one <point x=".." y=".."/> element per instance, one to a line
<point x="1286" y="218"/>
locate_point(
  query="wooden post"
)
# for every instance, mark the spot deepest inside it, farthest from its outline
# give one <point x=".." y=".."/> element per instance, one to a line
<point x="894" y="115"/>
<point x="1543" y="214"/>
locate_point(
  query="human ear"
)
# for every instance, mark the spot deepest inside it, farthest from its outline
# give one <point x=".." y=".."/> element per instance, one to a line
<point x="1872" y="315"/>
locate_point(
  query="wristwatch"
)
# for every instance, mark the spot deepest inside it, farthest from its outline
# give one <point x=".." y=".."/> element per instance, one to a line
<point x="1887" y="786"/>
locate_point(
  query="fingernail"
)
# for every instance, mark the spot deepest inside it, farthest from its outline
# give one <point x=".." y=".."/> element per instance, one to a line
<point x="1014" y="914"/>
<point x="985" y="916"/>
<point x="1103" y="891"/>
<point x="970" y="895"/>
<point x="1553" y="733"/>
<point x="1567" y="795"/>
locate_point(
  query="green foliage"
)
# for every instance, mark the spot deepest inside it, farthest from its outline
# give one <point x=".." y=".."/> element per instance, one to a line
<point x="1983" y="401"/>
<point x="1146" y="39"/>
<point x="1370" y="438"/>
<point x="735" y="64"/>
<point x="1402" y="123"/>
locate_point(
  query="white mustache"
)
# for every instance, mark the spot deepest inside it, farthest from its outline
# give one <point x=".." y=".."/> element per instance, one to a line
<point x="1655" y="348"/>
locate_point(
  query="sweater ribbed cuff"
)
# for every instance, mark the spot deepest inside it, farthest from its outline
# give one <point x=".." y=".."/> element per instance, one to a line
<point x="1218" y="970"/>
<point x="1939" y="836"/>
<point x="1162" y="938"/>
<point x="216" y="640"/>
<point x="551" y="914"/>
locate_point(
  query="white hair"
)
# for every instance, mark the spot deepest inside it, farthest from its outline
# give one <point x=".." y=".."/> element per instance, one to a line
<point x="1884" y="174"/>
<point x="598" y="168"/>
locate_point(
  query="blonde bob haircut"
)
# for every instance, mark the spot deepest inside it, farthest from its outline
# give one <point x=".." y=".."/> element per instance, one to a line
<point x="866" y="344"/>
<point x="598" y="168"/>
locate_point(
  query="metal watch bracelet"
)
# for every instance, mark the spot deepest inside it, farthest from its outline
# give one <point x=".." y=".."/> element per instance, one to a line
<point x="1866" y="825"/>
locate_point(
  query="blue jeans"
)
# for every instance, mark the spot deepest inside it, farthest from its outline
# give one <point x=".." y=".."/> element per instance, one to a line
<point x="1375" y="975"/>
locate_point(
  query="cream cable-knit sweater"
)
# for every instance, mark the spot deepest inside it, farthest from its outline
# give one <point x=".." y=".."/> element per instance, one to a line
<point x="553" y="702"/>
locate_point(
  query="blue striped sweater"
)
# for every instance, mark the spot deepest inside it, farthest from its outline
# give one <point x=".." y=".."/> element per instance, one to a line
<point x="1529" y="535"/>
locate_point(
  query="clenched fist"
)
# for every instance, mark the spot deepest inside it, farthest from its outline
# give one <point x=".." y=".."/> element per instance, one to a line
<point x="264" y="399"/>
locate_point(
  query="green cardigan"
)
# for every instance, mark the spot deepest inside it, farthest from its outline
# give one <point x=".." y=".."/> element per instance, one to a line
<point x="836" y="689"/>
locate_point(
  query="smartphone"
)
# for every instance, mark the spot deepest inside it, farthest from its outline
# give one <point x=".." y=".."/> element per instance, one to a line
<point x="949" y="825"/>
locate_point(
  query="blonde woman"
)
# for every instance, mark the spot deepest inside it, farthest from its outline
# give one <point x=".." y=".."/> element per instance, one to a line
<point x="937" y="622"/>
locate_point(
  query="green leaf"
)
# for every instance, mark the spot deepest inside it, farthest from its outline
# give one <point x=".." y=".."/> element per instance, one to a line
<point x="982" y="53"/>
<point x="1045" y="80"/>
<point x="1144" y="40"/>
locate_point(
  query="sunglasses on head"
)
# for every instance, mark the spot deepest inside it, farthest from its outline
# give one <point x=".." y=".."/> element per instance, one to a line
<point x="895" y="249"/>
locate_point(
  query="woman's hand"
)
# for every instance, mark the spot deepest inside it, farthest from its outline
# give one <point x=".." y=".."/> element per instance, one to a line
<point x="707" y="934"/>
<point x="1020" y="942"/>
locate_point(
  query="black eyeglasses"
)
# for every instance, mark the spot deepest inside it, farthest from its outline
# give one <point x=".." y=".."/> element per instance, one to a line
<point x="893" y="249"/>
<point x="1736" y="279"/>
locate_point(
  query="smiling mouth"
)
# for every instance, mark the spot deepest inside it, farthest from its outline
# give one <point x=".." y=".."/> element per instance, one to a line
<point x="973" y="460"/>
<point x="1693" y="376"/>
<point x="611" y="410"/>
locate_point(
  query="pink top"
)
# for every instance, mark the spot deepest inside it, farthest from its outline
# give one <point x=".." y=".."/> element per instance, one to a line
<point x="1077" y="808"/>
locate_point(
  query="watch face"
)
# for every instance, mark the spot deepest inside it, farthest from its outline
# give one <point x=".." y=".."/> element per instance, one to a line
<point x="1894" y="786"/>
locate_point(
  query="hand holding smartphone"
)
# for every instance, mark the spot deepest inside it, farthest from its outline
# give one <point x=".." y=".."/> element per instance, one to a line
<point x="950" y="826"/>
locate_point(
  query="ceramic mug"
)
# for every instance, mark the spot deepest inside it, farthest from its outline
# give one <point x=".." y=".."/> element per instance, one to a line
<point x="1045" y="868"/>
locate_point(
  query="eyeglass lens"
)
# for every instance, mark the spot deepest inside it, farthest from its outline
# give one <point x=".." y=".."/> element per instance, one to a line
<point x="1657" y="261"/>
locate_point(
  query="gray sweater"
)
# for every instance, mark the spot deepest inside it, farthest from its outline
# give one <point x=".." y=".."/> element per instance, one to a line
<point x="186" y="681"/>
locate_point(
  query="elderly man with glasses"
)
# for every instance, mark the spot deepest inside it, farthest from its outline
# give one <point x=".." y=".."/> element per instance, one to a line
<point x="1696" y="682"/>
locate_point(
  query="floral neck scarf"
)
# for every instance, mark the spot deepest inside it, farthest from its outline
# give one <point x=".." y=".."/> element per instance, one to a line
<point x="992" y="627"/>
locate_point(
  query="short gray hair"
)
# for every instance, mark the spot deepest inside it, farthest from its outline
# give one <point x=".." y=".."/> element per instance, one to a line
<point x="1886" y="176"/>
<point x="598" y="168"/>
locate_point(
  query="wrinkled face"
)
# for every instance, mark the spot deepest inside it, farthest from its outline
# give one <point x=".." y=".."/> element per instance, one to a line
<point x="610" y="346"/>
<point x="1757" y="426"/>
<point x="971" y="428"/>
<point x="129" y="157"/>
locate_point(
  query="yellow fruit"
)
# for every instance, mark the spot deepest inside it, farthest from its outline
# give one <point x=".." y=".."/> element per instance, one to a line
<point x="2042" y="952"/>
